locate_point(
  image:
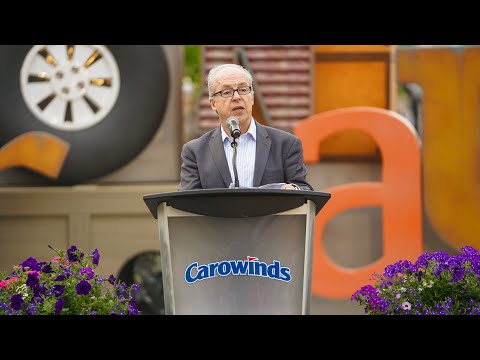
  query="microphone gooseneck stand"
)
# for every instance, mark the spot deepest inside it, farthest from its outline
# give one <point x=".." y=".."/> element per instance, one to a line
<point x="234" y="162"/>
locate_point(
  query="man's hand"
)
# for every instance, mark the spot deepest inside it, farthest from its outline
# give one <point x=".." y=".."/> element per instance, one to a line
<point x="290" y="187"/>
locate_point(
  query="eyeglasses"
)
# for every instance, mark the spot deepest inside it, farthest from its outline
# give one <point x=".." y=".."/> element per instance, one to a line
<point x="230" y="92"/>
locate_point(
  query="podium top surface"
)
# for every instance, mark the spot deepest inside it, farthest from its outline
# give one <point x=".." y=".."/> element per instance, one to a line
<point x="232" y="203"/>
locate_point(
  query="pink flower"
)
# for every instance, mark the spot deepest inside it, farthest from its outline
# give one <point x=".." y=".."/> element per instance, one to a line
<point x="406" y="305"/>
<point x="57" y="259"/>
<point x="4" y="283"/>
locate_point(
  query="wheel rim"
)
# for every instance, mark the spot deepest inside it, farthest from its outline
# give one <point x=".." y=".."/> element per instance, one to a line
<point x="70" y="87"/>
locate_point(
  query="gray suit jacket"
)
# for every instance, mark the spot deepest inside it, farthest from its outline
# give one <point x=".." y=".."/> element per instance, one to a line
<point x="279" y="158"/>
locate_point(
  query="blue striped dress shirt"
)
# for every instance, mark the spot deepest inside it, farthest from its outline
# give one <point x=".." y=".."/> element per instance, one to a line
<point x="246" y="149"/>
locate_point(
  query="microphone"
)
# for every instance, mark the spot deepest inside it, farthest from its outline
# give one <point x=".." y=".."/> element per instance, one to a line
<point x="234" y="163"/>
<point x="232" y="123"/>
<point x="234" y="127"/>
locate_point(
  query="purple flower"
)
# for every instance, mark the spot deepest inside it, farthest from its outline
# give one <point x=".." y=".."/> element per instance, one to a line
<point x="369" y="295"/>
<point x="31" y="263"/>
<point x="88" y="272"/>
<point x="59" y="306"/>
<point x="470" y="251"/>
<point x="60" y="277"/>
<point x="458" y="274"/>
<point x="132" y="307"/>
<point x="456" y="261"/>
<point x="111" y="279"/>
<point x="408" y="266"/>
<point x="72" y="254"/>
<point x="440" y="269"/>
<point x="16" y="302"/>
<point x="392" y="270"/>
<point x="58" y="290"/>
<point x="441" y="256"/>
<point x="96" y="257"/>
<point x="47" y="268"/>
<point x="32" y="279"/>
<point x="31" y="309"/>
<point x="38" y="290"/>
<point x="83" y="287"/>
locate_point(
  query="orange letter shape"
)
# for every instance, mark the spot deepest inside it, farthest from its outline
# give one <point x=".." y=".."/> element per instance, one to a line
<point x="399" y="193"/>
<point x="37" y="150"/>
<point x="450" y="79"/>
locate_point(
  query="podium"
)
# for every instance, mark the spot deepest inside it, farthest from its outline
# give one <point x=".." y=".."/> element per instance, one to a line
<point x="236" y="251"/>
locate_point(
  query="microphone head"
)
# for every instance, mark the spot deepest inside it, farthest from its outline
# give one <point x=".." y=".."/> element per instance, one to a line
<point x="233" y="126"/>
<point x="232" y="120"/>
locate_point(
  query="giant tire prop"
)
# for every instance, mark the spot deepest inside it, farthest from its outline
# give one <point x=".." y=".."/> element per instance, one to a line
<point x="116" y="139"/>
<point x="145" y="270"/>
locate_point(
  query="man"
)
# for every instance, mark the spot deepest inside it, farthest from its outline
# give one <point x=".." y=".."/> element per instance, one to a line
<point x="265" y="155"/>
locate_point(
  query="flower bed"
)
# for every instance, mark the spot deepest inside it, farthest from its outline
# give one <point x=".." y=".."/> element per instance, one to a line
<point x="67" y="285"/>
<point x="436" y="284"/>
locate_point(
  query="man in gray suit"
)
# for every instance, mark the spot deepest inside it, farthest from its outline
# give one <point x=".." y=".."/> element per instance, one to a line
<point x="265" y="155"/>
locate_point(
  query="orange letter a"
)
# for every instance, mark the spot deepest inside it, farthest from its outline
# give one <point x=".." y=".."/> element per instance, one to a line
<point x="399" y="193"/>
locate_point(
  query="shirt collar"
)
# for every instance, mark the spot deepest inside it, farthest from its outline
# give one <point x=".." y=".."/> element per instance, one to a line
<point x="252" y="130"/>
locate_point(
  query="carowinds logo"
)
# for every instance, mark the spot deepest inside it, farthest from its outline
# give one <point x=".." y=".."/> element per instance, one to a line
<point x="250" y="267"/>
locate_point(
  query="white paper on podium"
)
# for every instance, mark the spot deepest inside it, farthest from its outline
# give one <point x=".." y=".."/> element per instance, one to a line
<point x="266" y="186"/>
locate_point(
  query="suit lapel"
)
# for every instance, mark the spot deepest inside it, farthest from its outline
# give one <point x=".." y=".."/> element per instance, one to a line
<point x="218" y="154"/>
<point x="261" y="155"/>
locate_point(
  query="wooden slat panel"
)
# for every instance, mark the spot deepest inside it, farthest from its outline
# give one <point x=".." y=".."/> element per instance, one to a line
<point x="283" y="75"/>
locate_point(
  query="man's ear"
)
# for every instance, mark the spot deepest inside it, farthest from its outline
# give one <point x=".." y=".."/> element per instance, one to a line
<point x="212" y="105"/>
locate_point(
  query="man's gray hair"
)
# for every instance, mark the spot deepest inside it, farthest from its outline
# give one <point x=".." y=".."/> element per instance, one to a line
<point x="223" y="69"/>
